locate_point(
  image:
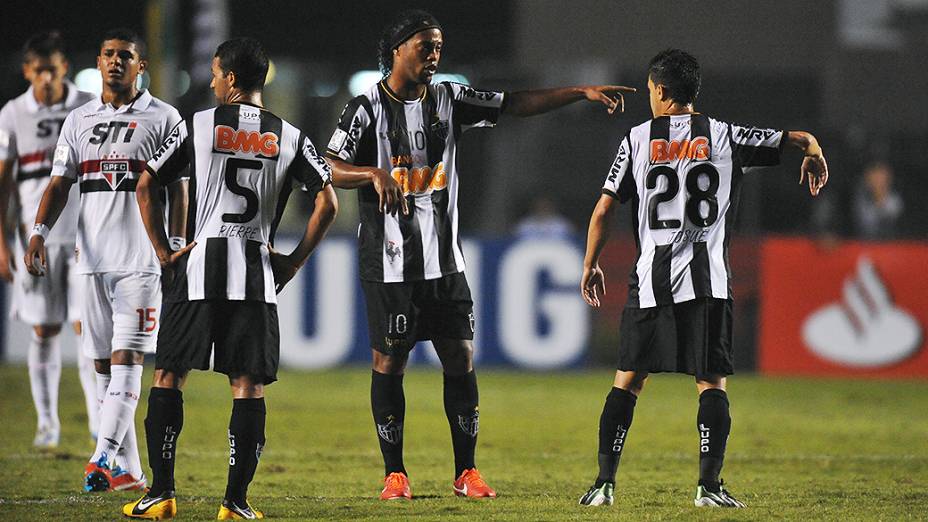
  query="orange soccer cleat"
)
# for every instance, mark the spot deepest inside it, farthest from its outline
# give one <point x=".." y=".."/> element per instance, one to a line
<point x="471" y="484"/>
<point x="395" y="486"/>
<point x="122" y="480"/>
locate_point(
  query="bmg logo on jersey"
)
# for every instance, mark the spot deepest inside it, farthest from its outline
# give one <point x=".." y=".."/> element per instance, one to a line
<point x="663" y="151"/>
<point x="113" y="130"/>
<point x="236" y="140"/>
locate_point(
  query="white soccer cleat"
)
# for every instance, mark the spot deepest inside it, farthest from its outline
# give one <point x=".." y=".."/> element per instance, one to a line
<point x="46" y="438"/>
<point x="720" y="498"/>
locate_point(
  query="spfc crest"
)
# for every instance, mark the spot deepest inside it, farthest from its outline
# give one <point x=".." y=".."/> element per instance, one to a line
<point x="114" y="171"/>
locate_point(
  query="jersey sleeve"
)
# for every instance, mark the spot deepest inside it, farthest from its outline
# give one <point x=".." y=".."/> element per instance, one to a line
<point x="7" y="133"/>
<point x="309" y="169"/>
<point x="620" y="182"/>
<point x="65" y="163"/>
<point x="474" y="108"/>
<point x="354" y="120"/>
<point x="756" y="147"/>
<point x="172" y="157"/>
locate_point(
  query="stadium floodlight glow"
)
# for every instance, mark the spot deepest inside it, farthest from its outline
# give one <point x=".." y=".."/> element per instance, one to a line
<point x="271" y="72"/>
<point x="90" y="80"/>
<point x="362" y="80"/>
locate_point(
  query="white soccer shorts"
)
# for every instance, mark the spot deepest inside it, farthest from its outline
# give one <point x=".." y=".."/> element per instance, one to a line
<point x="121" y="311"/>
<point x="50" y="299"/>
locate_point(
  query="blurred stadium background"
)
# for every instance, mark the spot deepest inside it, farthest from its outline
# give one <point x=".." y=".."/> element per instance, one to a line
<point x="834" y="286"/>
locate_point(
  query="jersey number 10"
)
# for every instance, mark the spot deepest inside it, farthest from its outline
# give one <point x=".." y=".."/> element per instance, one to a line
<point x="696" y="195"/>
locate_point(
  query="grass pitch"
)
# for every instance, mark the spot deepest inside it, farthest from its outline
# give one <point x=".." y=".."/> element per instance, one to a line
<point x="799" y="450"/>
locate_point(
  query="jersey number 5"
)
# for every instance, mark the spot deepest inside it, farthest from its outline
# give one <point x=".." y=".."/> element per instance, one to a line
<point x="696" y="194"/>
<point x="233" y="165"/>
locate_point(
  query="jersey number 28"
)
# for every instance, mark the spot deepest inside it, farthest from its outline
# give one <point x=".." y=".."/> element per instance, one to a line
<point x="696" y="195"/>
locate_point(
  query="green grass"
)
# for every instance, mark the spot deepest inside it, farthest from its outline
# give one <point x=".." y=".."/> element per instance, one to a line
<point x="800" y="450"/>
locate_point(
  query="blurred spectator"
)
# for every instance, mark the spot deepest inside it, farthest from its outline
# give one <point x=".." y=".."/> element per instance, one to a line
<point x="544" y="222"/>
<point x="877" y="205"/>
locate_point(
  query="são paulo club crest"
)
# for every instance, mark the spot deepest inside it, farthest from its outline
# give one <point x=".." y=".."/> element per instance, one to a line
<point x="115" y="168"/>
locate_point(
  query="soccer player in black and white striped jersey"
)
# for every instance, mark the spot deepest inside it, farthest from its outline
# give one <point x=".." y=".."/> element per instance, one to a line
<point x="396" y="144"/>
<point x="682" y="170"/>
<point x="221" y="300"/>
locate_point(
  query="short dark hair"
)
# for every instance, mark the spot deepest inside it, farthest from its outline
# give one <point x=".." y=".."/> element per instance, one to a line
<point x="43" y="45"/>
<point x="406" y="24"/>
<point x="678" y="72"/>
<point x="126" y="35"/>
<point x="247" y="59"/>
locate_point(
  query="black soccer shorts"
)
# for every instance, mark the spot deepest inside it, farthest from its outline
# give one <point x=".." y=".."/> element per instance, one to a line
<point x="399" y="314"/>
<point x="693" y="337"/>
<point x="246" y="336"/>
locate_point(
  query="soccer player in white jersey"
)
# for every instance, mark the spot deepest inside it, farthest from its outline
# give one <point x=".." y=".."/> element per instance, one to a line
<point x="682" y="170"/>
<point x="103" y="147"/>
<point x="396" y="144"/>
<point x="221" y="297"/>
<point x="29" y="126"/>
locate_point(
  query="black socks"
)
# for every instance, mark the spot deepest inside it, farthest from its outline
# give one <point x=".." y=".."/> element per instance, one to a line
<point x="714" y="424"/>
<point x="246" y="442"/>
<point x="614" y="423"/>
<point x="388" y="404"/>
<point x="162" y="428"/>
<point x="461" y="408"/>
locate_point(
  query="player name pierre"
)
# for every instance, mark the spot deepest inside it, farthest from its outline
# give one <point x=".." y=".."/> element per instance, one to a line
<point x="240" y="231"/>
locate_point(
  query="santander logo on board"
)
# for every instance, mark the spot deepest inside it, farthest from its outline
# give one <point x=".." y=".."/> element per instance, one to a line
<point x="865" y="329"/>
<point x="236" y="140"/>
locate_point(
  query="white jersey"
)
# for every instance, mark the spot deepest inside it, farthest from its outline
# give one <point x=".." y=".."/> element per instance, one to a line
<point x="416" y="141"/>
<point x="28" y="134"/>
<point x="104" y="150"/>
<point x="243" y="163"/>
<point x="684" y="173"/>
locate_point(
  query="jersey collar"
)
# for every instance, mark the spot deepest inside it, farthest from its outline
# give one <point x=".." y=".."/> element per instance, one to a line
<point x="141" y="102"/>
<point x="70" y="96"/>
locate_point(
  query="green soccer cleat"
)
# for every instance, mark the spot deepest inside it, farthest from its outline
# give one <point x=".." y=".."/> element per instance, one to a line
<point x="720" y="498"/>
<point x="599" y="496"/>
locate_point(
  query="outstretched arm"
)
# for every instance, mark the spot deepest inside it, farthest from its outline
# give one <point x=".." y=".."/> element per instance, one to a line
<point x="814" y="162"/>
<point x="593" y="282"/>
<point x="530" y="103"/>
<point x="348" y="176"/>
<point x="53" y="202"/>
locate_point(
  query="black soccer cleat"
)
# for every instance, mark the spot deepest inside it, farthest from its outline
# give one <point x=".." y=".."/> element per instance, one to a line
<point x="720" y="498"/>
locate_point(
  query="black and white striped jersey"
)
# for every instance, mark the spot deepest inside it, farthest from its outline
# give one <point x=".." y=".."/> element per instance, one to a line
<point x="683" y="173"/>
<point x="416" y="141"/>
<point x="243" y="162"/>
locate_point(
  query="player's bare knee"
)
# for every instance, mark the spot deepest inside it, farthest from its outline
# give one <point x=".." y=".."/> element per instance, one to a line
<point x="246" y="386"/>
<point x="389" y="364"/>
<point x="456" y="355"/>
<point x="168" y="379"/>
<point x="101" y="366"/>
<point x="127" y="357"/>
<point x="707" y="382"/>
<point x="46" y="331"/>
<point x="630" y="381"/>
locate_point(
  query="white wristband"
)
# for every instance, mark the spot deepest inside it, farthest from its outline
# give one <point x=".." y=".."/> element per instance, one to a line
<point x="41" y="230"/>
<point x="177" y="242"/>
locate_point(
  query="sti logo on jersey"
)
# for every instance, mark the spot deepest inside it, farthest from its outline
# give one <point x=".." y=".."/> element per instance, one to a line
<point x="231" y="140"/>
<point x="663" y="151"/>
<point x="113" y="130"/>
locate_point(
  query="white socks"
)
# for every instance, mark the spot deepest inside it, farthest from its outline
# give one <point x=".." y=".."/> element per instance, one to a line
<point x="86" y="372"/>
<point x="117" y="418"/>
<point x="44" y="376"/>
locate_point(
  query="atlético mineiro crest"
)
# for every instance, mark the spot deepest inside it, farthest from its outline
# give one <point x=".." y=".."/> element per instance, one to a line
<point x="440" y="129"/>
<point x="391" y="432"/>
<point x="115" y="168"/>
<point x="470" y="424"/>
<point x="392" y="250"/>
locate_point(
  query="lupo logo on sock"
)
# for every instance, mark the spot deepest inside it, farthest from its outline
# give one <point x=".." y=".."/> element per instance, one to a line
<point x="865" y="329"/>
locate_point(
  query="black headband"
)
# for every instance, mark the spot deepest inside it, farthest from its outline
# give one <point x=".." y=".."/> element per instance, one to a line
<point x="405" y="32"/>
